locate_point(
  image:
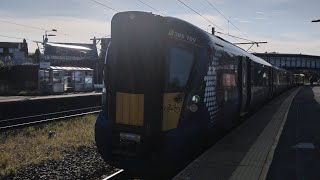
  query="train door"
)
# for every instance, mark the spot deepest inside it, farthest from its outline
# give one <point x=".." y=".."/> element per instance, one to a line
<point x="249" y="82"/>
<point x="270" y="82"/>
<point x="244" y="79"/>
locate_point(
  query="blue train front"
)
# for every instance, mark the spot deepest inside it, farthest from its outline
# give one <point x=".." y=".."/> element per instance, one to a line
<point x="169" y="86"/>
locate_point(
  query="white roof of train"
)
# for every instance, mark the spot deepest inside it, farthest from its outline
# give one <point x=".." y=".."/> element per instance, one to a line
<point x="236" y="49"/>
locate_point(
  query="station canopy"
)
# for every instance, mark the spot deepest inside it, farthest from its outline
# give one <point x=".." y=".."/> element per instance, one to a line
<point x="70" y="68"/>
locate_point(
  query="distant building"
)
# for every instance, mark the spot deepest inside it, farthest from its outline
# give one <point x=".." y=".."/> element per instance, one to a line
<point x="55" y="54"/>
<point x="292" y="61"/>
<point x="14" y="52"/>
<point x="72" y="55"/>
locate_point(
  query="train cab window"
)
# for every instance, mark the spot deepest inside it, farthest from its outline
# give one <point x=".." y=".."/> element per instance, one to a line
<point x="179" y="67"/>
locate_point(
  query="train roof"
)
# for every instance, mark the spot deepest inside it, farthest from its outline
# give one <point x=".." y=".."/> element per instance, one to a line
<point x="222" y="42"/>
<point x="206" y="37"/>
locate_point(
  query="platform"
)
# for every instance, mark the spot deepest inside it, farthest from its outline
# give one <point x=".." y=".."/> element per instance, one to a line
<point x="24" y="98"/>
<point x="280" y="141"/>
<point x="22" y="106"/>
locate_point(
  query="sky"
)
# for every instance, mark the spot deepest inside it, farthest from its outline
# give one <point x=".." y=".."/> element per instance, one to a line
<point x="284" y="24"/>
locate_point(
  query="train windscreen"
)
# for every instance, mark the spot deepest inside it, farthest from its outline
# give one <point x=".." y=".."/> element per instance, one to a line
<point x="137" y="52"/>
<point x="179" y="66"/>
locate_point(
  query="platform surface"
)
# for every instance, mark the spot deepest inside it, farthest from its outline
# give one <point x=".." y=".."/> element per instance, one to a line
<point x="297" y="155"/>
<point x="24" y="98"/>
<point x="280" y="141"/>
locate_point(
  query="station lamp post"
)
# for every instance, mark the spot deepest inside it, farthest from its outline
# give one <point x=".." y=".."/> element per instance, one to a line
<point x="45" y="36"/>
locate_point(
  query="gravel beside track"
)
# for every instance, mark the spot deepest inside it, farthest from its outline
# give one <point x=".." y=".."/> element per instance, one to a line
<point x="85" y="163"/>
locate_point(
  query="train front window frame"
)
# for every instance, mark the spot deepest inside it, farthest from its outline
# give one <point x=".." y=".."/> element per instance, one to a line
<point x="180" y="61"/>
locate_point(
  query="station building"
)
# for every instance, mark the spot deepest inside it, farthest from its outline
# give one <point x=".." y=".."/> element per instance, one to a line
<point x="59" y="69"/>
<point x="297" y="61"/>
<point x="309" y="65"/>
<point x="14" y="52"/>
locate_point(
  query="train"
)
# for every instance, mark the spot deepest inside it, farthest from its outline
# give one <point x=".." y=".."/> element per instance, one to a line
<point x="170" y="86"/>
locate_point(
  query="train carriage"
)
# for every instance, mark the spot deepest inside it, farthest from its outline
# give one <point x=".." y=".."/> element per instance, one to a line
<point x="170" y="86"/>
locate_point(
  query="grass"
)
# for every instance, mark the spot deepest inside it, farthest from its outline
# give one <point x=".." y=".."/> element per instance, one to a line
<point x="32" y="145"/>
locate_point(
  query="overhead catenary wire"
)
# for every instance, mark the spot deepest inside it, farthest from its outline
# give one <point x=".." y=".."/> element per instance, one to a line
<point x="12" y="37"/>
<point x="200" y="14"/>
<point x="235" y="36"/>
<point x="31" y="27"/>
<point x="212" y="22"/>
<point x="230" y="23"/>
<point x="151" y="7"/>
<point x="113" y="9"/>
<point x="225" y="17"/>
<point x="23" y="25"/>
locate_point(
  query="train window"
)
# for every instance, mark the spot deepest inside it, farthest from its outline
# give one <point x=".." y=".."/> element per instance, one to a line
<point x="229" y="80"/>
<point x="180" y="63"/>
<point x="260" y="75"/>
<point x="257" y="74"/>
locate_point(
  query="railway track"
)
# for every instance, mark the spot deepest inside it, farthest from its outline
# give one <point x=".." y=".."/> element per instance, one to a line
<point x="115" y="175"/>
<point x="41" y="118"/>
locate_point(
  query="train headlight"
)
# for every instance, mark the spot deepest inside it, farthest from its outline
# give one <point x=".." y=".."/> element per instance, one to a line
<point x="193" y="108"/>
<point x="195" y="99"/>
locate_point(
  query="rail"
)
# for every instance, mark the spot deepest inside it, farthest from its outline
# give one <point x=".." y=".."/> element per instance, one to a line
<point x="40" y="118"/>
<point x="114" y="175"/>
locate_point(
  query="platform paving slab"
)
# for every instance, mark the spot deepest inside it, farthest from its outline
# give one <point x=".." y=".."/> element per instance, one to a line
<point x="229" y="158"/>
<point x="297" y="155"/>
<point x="252" y="164"/>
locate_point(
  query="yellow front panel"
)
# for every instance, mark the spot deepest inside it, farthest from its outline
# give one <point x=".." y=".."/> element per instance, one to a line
<point x="134" y="106"/>
<point x="141" y="109"/>
<point x="126" y="109"/>
<point x="171" y="110"/>
<point x="119" y="109"/>
<point x="129" y="109"/>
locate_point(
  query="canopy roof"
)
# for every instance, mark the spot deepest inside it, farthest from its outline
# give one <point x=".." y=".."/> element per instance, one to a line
<point x="70" y="68"/>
